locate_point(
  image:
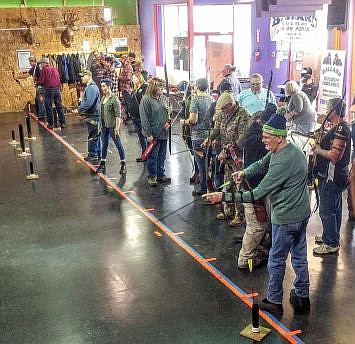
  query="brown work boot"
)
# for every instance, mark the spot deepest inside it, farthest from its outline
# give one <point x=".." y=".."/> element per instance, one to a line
<point x="237" y="221"/>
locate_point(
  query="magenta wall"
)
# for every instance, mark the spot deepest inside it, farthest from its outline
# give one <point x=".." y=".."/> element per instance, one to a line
<point x="263" y="66"/>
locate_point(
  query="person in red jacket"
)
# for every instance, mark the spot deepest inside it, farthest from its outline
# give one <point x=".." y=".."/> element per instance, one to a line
<point x="50" y="80"/>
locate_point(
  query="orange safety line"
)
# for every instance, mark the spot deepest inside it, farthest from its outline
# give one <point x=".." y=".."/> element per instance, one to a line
<point x="292" y="333"/>
<point x="210" y="259"/>
<point x="171" y="235"/>
<point x="249" y="296"/>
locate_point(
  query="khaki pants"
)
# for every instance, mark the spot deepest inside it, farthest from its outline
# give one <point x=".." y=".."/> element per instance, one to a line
<point x="253" y="237"/>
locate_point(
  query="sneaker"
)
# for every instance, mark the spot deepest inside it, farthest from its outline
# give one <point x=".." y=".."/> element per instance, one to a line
<point x="273" y="308"/>
<point x="91" y="158"/>
<point x="50" y="126"/>
<point x="63" y="125"/>
<point x="164" y="179"/>
<point x="123" y="168"/>
<point x="237" y="221"/>
<point x="221" y="216"/>
<point x="101" y="168"/>
<point x="139" y="159"/>
<point x="325" y="249"/>
<point x="152" y="181"/>
<point x="301" y="305"/>
<point x="318" y="239"/>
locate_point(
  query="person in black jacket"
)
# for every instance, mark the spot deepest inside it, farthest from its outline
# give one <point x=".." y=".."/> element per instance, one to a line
<point x="255" y="236"/>
<point x="310" y="88"/>
<point x="134" y="113"/>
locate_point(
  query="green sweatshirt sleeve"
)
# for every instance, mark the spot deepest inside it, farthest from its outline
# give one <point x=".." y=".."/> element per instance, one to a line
<point x="275" y="177"/>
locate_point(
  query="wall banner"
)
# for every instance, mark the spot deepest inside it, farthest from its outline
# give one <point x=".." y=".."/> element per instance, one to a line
<point x="293" y="28"/>
<point x="331" y="77"/>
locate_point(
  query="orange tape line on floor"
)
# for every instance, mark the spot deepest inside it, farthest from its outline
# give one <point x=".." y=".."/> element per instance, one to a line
<point x="286" y="334"/>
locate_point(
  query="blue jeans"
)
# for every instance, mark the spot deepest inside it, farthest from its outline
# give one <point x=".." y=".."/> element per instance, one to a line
<point x="40" y="102"/>
<point x="105" y="135"/>
<point x="285" y="239"/>
<point x="330" y="211"/>
<point x="94" y="145"/>
<point x="53" y="96"/>
<point x="201" y="163"/>
<point x="156" y="159"/>
<point x="142" y="139"/>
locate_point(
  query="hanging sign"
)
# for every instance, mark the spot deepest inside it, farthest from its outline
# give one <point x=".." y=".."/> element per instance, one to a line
<point x="293" y="28"/>
<point x="331" y="77"/>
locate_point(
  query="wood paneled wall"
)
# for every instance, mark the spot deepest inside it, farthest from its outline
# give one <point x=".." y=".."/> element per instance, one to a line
<point x="50" y="26"/>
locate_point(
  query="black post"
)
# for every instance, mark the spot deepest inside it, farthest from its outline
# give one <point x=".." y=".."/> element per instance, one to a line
<point x="31" y="168"/>
<point x="255" y="317"/>
<point x="29" y="129"/>
<point x="22" y="140"/>
<point x="13" y="135"/>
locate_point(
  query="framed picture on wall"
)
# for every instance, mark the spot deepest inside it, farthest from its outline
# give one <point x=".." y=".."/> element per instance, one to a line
<point x="22" y="59"/>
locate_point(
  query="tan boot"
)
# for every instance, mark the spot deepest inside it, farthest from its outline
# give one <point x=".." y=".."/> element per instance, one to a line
<point x="237" y="221"/>
<point x="221" y="216"/>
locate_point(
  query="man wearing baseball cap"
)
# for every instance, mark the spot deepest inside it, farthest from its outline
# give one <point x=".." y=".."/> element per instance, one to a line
<point x="50" y="80"/>
<point x="90" y="108"/>
<point x="231" y="124"/>
<point x="285" y="171"/>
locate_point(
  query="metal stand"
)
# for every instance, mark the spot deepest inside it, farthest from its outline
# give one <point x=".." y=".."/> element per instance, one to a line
<point x="23" y="153"/>
<point x="29" y="129"/>
<point x="32" y="175"/>
<point x="13" y="142"/>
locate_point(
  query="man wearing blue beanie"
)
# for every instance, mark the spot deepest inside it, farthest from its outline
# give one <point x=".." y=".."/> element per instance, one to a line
<point x="285" y="170"/>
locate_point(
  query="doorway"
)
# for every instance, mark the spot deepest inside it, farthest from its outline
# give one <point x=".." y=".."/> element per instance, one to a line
<point x="211" y="52"/>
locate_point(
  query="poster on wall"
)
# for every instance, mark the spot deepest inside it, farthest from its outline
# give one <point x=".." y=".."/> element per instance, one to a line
<point x="331" y="77"/>
<point x="293" y="28"/>
<point x="22" y="59"/>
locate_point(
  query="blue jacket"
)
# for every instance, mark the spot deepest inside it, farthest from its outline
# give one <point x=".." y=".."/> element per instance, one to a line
<point x="90" y="104"/>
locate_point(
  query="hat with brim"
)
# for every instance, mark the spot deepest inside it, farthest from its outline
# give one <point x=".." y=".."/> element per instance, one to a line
<point x="224" y="99"/>
<point x="85" y="72"/>
<point x="44" y="60"/>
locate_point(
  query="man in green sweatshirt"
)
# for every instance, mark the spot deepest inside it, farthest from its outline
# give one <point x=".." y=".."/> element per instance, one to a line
<point x="285" y="174"/>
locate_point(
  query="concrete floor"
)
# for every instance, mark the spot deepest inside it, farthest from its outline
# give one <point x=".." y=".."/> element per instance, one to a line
<point x="80" y="264"/>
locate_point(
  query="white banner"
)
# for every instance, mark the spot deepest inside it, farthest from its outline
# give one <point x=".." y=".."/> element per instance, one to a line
<point x="293" y="28"/>
<point x="331" y="77"/>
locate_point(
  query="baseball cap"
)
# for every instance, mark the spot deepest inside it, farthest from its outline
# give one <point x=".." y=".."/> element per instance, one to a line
<point x="224" y="99"/>
<point x="85" y="72"/>
<point x="44" y="60"/>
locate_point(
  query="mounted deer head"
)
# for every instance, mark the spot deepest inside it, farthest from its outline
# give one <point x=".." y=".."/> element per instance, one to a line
<point x="106" y="26"/>
<point x="29" y="35"/>
<point x="67" y="36"/>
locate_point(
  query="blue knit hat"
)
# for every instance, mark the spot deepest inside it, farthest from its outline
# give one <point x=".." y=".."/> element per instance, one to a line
<point x="276" y="125"/>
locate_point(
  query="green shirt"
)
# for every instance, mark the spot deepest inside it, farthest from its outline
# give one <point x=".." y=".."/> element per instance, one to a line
<point x="284" y="182"/>
<point x="153" y="117"/>
<point x="110" y="111"/>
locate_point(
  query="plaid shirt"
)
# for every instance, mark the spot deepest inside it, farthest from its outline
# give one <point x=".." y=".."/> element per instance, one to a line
<point x="126" y="77"/>
<point x="112" y="74"/>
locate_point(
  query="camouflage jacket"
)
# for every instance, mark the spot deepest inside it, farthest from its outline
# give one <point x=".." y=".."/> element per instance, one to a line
<point x="231" y="128"/>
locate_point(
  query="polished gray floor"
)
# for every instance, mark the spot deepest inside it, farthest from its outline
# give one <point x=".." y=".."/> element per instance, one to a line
<point x="79" y="264"/>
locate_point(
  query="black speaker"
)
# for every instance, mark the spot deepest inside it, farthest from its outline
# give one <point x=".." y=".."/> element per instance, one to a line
<point x="338" y="14"/>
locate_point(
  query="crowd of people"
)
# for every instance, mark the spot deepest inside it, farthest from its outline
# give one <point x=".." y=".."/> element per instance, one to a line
<point x="245" y="159"/>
